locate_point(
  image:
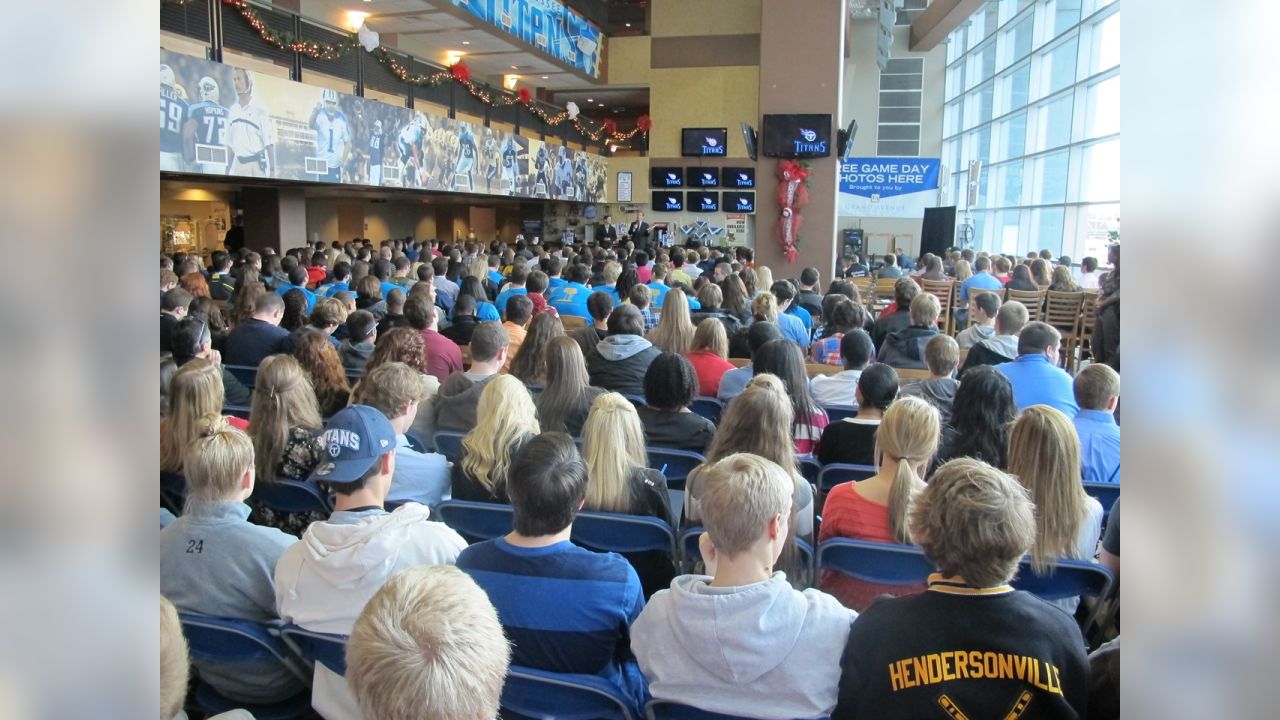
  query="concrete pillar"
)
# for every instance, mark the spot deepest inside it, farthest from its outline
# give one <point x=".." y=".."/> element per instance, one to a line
<point x="274" y="218"/>
<point x="801" y="68"/>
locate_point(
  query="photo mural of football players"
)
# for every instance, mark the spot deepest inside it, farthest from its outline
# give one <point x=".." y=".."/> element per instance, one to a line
<point x="542" y="171"/>
<point x="580" y="175"/>
<point x="333" y="135"/>
<point x="564" y="175"/>
<point x="251" y="133"/>
<point x="513" y="180"/>
<point x="173" y="118"/>
<point x="205" y="133"/>
<point x="463" y="174"/>
<point x="410" y="145"/>
<point x="489" y="159"/>
<point x="374" y="150"/>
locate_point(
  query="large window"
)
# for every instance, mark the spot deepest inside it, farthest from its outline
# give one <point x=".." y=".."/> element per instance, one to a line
<point x="1033" y="91"/>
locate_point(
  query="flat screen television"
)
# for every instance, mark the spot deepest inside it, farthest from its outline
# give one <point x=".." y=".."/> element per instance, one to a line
<point x="738" y="177"/>
<point x="738" y="202"/>
<point x="703" y="142"/>
<point x="704" y="177"/>
<point x="703" y="202"/>
<point x="796" y="136"/>
<point x="665" y="177"/>
<point x="667" y="201"/>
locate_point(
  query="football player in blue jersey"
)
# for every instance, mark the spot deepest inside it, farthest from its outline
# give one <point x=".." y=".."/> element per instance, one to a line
<point x="467" y="152"/>
<point x="542" y="166"/>
<point x="375" y="153"/>
<point x="206" y="130"/>
<point x="410" y="144"/>
<point x="333" y="134"/>
<point x="510" y="151"/>
<point x="173" y="118"/>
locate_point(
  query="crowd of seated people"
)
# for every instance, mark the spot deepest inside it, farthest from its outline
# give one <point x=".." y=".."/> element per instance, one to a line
<point x="555" y="371"/>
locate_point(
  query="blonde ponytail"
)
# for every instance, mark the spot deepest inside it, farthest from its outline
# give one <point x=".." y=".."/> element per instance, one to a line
<point x="909" y="435"/>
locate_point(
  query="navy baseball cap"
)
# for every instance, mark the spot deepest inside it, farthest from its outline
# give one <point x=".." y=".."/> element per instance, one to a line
<point x="353" y="441"/>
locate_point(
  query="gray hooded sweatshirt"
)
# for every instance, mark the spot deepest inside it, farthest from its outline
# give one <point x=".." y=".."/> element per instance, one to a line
<point x="619" y="362"/>
<point x="762" y="650"/>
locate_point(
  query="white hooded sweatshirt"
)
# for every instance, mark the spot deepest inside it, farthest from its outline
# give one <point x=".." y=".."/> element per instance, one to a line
<point x="762" y="650"/>
<point x="324" y="580"/>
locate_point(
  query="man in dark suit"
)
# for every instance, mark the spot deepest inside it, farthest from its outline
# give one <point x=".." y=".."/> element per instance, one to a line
<point x="639" y="231"/>
<point x="260" y="335"/>
<point x="607" y="236"/>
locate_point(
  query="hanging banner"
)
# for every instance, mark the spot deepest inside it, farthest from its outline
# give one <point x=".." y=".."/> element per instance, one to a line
<point x="218" y="119"/>
<point x="888" y="187"/>
<point x="548" y="25"/>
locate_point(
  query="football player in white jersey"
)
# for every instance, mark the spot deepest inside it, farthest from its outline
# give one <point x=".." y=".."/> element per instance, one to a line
<point x="173" y="116"/>
<point x="206" y="129"/>
<point x="410" y="143"/>
<point x="251" y="134"/>
<point x="333" y="134"/>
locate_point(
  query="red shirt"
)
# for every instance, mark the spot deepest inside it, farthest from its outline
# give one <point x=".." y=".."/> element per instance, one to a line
<point x="238" y="423"/>
<point x="710" y="367"/>
<point x="644" y="273"/>
<point x="848" y="514"/>
<point x="443" y="355"/>
<point x="316" y="274"/>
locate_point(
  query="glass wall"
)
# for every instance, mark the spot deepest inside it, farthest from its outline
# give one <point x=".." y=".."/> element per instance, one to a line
<point x="1033" y="92"/>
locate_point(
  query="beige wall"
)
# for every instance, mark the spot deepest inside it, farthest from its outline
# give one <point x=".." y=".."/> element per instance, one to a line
<point x="701" y="97"/>
<point x="861" y="100"/>
<point x="671" y="18"/>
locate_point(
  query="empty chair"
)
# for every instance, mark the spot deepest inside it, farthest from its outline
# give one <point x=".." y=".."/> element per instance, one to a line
<point x="449" y="444"/>
<point x="708" y="407"/>
<point x="836" y="413"/>
<point x="1067" y="579"/>
<point x="222" y="640"/>
<point x="612" y="532"/>
<point x="476" y="521"/>
<point x="1105" y="493"/>
<point x="173" y="491"/>
<point x="246" y="374"/>
<point x="542" y="695"/>
<point x="1032" y="299"/>
<point x="809" y="467"/>
<point x="873" y="562"/>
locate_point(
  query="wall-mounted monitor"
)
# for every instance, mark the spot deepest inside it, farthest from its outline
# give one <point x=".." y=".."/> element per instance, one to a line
<point x="796" y="136"/>
<point x="738" y="202"/>
<point x="704" y="202"/>
<point x="666" y="177"/>
<point x="738" y="177"/>
<point x="707" y="177"/>
<point x="703" y="142"/>
<point x="667" y="201"/>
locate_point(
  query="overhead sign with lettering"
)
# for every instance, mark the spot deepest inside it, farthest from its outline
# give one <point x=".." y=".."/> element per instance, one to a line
<point x="548" y="25"/>
<point x="888" y="187"/>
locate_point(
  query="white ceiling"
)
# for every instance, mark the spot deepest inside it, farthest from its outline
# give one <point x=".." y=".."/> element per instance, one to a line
<point x="424" y="30"/>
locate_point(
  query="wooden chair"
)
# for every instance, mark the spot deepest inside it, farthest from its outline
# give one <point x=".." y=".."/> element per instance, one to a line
<point x="739" y="362"/>
<point x="572" y="322"/>
<point x="866" y="292"/>
<point x="883" y="293"/>
<point x="945" y="291"/>
<point x="910" y="375"/>
<point x="1033" y="299"/>
<point x="954" y="326"/>
<point x="466" y="355"/>
<point x="815" y="369"/>
<point x="1088" y="314"/>
<point x="1062" y="310"/>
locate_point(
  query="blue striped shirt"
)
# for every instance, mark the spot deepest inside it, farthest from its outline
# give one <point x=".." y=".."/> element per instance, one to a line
<point x="564" y="608"/>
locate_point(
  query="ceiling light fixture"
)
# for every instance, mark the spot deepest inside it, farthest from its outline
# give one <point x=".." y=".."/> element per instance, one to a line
<point x="546" y="77"/>
<point x="464" y="42"/>
<point x="628" y="24"/>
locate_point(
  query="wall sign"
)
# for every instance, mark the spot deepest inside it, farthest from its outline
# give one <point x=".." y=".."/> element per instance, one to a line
<point x="624" y="187"/>
<point x="547" y="25"/>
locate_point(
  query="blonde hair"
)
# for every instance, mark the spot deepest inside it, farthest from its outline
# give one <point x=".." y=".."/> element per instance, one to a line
<point x="216" y="461"/>
<point x="612" y="447"/>
<point x="908" y="434"/>
<point x="924" y="309"/>
<point x="710" y="296"/>
<point x="389" y="387"/>
<point x="611" y="272"/>
<point x="429" y="638"/>
<point x="175" y="663"/>
<point x="710" y="336"/>
<point x="742" y="493"/>
<point x="675" y="331"/>
<point x="194" y="392"/>
<point x="765" y="307"/>
<point x="764" y="279"/>
<point x="283" y="399"/>
<point x="973" y="521"/>
<point x="963" y="271"/>
<point x="1095" y="385"/>
<point x="1044" y="454"/>
<point x="479" y="268"/>
<point x="506" y="414"/>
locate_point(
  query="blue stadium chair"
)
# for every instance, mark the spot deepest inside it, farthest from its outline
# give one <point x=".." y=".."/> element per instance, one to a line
<point x="542" y="695"/>
<point x="693" y="553"/>
<point x="612" y="532"/>
<point x="173" y="491"/>
<point x="416" y="442"/>
<point x="1068" y="579"/>
<point x="1106" y="494"/>
<point x="708" y="407"/>
<point x="875" y="562"/>
<point x="834" y="474"/>
<point x="637" y="400"/>
<point x="449" y="444"/>
<point x="353" y="376"/>
<point x="675" y="465"/>
<point x="476" y="521"/>
<point x="221" y="640"/>
<point x="809" y="468"/>
<point x="240" y="411"/>
<point x="316" y="647"/>
<point x="534" y="389"/>
<point x="662" y="710"/>
<point x="292" y="496"/>
<point x="836" y="413"/>
<point x="246" y="374"/>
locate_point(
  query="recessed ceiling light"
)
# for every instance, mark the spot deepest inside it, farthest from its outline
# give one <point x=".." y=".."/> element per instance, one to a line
<point x="546" y="77"/>
<point x="628" y="24"/>
<point x="464" y="42"/>
<point x="590" y="100"/>
<point x="515" y="67"/>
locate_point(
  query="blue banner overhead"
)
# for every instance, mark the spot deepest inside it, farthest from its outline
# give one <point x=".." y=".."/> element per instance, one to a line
<point x="548" y="25"/>
<point x="888" y="187"/>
